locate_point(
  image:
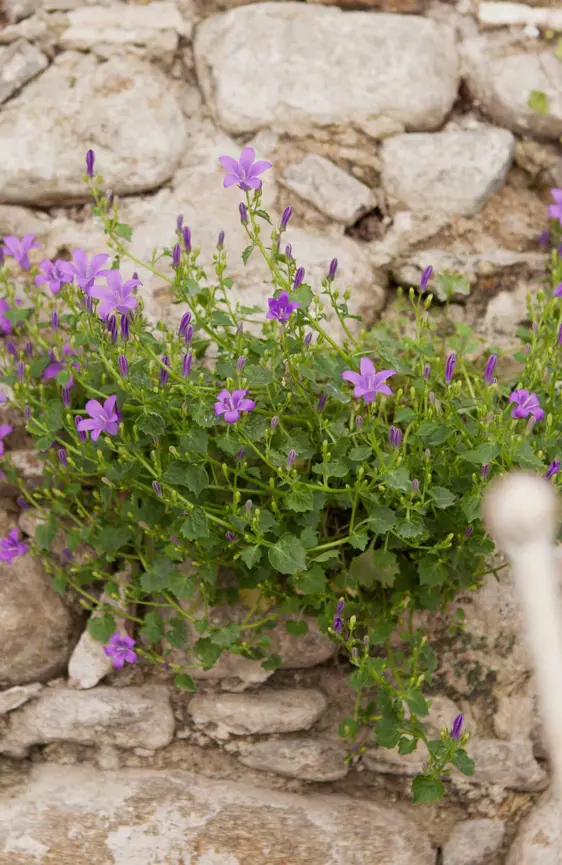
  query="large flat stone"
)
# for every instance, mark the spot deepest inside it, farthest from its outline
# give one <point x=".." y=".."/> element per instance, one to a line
<point x="307" y="759"/>
<point x="473" y="842"/>
<point x="123" y="109"/>
<point x="126" y="717"/>
<point x="539" y="839"/>
<point x="331" y="190"/>
<point x="71" y="815"/>
<point x="19" y="63"/>
<point x="295" y="67"/>
<point x="452" y="172"/>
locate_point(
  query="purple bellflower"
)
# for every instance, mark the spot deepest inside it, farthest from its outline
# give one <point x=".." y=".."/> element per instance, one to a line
<point x="103" y="418"/>
<point x="54" y="275"/>
<point x="5" y="430"/>
<point x="553" y="469"/>
<point x="337" y="624"/>
<point x="526" y="404"/>
<point x="57" y="366"/>
<point x="19" y="249"/>
<point x="395" y="436"/>
<point x="457" y="727"/>
<point x="90" y="159"/>
<point x="11" y="547"/>
<point x="281" y="308"/>
<point x="450" y="367"/>
<point x="245" y="171"/>
<point x="116" y="295"/>
<point x="555" y="210"/>
<point x="490" y="367"/>
<point x="83" y="271"/>
<point x="368" y="382"/>
<point x="425" y="277"/>
<point x="232" y="405"/>
<point x="120" y="650"/>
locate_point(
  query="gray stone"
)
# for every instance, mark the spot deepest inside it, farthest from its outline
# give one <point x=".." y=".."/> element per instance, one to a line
<point x="19" y="63"/>
<point x="299" y="652"/>
<point x="289" y="66"/>
<point x="16" y="10"/>
<point x="501" y="75"/>
<point x="306" y="759"/>
<point x="473" y="842"/>
<point x="36" y="628"/>
<point x="45" y="132"/>
<point x="332" y="191"/>
<point x="125" y="717"/>
<point x="510" y="765"/>
<point x="141" y="817"/>
<point x="17" y="696"/>
<point x="539" y="838"/>
<point x="453" y="172"/>
<point x="151" y="30"/>
<point x="267" y="711"/>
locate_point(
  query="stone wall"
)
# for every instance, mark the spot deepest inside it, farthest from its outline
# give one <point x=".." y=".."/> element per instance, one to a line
<point x="401" y="140"/>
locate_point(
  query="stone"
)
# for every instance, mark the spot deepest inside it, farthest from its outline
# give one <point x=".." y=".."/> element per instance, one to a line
<point x="452" y="172"/>
<point x="333" y="192"/>
<point x="305" y="759"/>
<point x="498" y="14"/>
<point x="473" y="842"/>
<point x="19" y="63"/>
<point x="295" y="76"/>
<point x="36" y="628"/>
<point x="300" y="652"/>
<point x="16" y="10"/>
<point x="136" y="717"/>
<point x="501" y="75"/>
<point x="45" y="132"/>
<point x="152" y="30"/>
<point x="267" y="711"/>
<point x="539" y="837"/>
<point x="88" y="663"/>
<point x="18" y="696"/>
<point x="385" y="5"/>
<point x="150" y="817"/>
<point x="510" y="765"/>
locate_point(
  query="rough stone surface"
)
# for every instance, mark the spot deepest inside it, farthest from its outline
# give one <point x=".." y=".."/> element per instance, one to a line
<point x="306" y="759"/>
<point x="17" y="696"/>
<point x="501" y="74"/>
<point x="125" y="717"/>
<point x="539" y="839"/>
<point x="15" y="10"/>
<point x="473" y="842"/>
<point x="453" y="172"/>
<point x="152" y="30"/>
<point x="283" y="711"/>
<point x="506" y="764"/>
<point x="19" y="63"/>
<point x="76" y="104"/>
<point x="332" y="191"/>
<point x="296" y="75"/>
<point x="152" y="818"/>
<point x="36" y="628"/>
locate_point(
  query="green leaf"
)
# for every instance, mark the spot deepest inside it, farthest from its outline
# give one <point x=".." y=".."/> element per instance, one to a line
<point x="381" y="520"/>
<point x="196" y="479"/>
<point x="483" y="454"/>
<point x="155" y="579"/>
<point x="360" y="678"/>
<point x="113" y="538"/>
<point x="152" y="628"/>
<point x="327" y="556"/>
<point x="288" y="556"/>
<point x="123" y="230"/>
<point x="463" y="762"/>
<point x="405" y="414"/>
<point x="204" y="415"/>
<point x="432" y="572"/>
<point x="538" y="101"/>
<point x="45" y="534"/>
<point x="218" y="317"/>
<point x="333" y="468"/>
<point x="526" y="457"/>
<point x="387" y="732"/>
<point x="375" y="566"/>
<point x="398" y="479"/>
<point x="101" y="628"/>
<point x="442" y="497"/>
<point x="272" y="663"/>
<point x="182" y="585"/>
<point x="151" y="423"/>
<point x="264" y="215"/>
<point x="446" y="285"/>
<point x="258" y="376"/>
<point x="471" y="505"/>
<point x="360" y="453"/>
<point x="359" y="540"/>
<point x="176" y="634"/>
<point x="195" y="526"/>
<point x="196" y="439"/>
<point x="417" y="704"/>
<point x="312" y="582"/>
<point x="247" y="253"/>
<point x="407" y="746"/>
<point x="309" y="537"/>
<point x="411" y="528"/>
<point x="227" y="636"/>
<point x="207" y="651"/>
<point x="426" y="790"/>
<point x="296" y="627"/>
<point x="303" y="295"/>
<point x="348" y="728"/>
<point x="433" y="434"/>
<point x="184" y="682"/>
<point x="251" y="556"/>
<point x="192" y="287"/>
<point x="299" y="499"/>
<point x="53" y="416"/>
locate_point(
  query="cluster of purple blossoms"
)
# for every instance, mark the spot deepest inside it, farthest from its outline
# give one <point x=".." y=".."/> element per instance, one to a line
<point x="12" y="546"/>
<point x="120" y="650"/>
<point x="368" y="382"/>
<point x="232" y="405"/>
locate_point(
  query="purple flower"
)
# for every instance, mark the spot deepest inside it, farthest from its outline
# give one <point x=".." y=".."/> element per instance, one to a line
<point x="337" y="624"/>
<point x="120" y="650"/>
<point x="188" y="334"/>
<point x="484" y="470"/>
<point x="299" y="276"/>
<point x="557" y="291"/>
<point x="81" y="435"/>
<point x="103" y="418"/>
<point x="54" y="274"/>
<point x="333" y="268"/>
<point x="5" y="430"/>
<point x="123" y="365"/>
<point x="457" y="727"/>
<point x="187" y="238"/>
<point x="57" y="366"/>
<point x="176" y="256"/>
<point x="425" y="277"/>
<point x="157" y="488"/>
<point x="553" y="469"/>
<point x="426" y="372"/>
<point x="308" y="339"/>
<point x="291" y="457"/>
<point x="322" y="402"/>
<point x="19" y="249"/>
<point x="63" y="458"/>
<point x="243" y="213"/>
<point x="186" y="364"/>
<point x="83" y="271"/>
<point x="274" y="423"/>
<point x="231" y="405"/>
<point x="450" y="367"/>
<point x="163" y="371"/>
<point x="11" y="547"/>
<point x="65" y="394"/>
<point x="90" y="159"/>
<point x="185" y="320"/>
<point x="368" y="382"/>
<point x="54" y="319"/>
<point x="5" y="323"/>
<point x="116" y="295"/>
<point x="415" y="486"/>
<point x="490" y="367"/>
<point x="526" y="404"/>
<point x="124" y="327"/>
<point x="230" y="536"/>
<point x="555" y="210"/>
<point x="281" y="308"/>
<point x="287" y="213"/>
<point x="241" y="363"/>
<point x="244" y="171"/>
<point x="239" y="456"/>
<point x="395" y="436"/>
<point x="220" y="240"/>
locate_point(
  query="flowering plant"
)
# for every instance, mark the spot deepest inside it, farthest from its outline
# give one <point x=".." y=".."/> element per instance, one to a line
<point x="294" y="474"/>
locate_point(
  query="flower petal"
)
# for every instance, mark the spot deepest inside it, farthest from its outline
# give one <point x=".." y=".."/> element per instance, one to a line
<point x="353" y="377"/>
<point x="229" y="163"/>
<point x="367" y="366"/>
<point x="259" y="167"/>
<point x="220" y="408"/>
<point x="231" y="416"/>
<point x="247" y="158"/>
<point x="230" y="180"/>
<point x="94" y="408"/>
<point x="246" y="405"/>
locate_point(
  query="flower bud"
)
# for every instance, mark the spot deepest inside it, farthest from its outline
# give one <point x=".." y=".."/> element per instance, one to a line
<point x="230" y="536"/>
<point x="123" y="365"/>
<point x="186" y="364"/>
<point x="289" y="251"/>
<point x="484" y="470"/>
<point x="395" y="436"/>
<point x="287" y="213"/>
<point x="274" y="422"/>
<point x="241" y="363"/>
<point x="322" y="401"/>
<point x="184" y="323"/>
<point x="490" y="367"/>
<point x="333" y="268"/>
<point x="63" y="459"/>
<point x="243" y="213"/>
<point x="157" y="488"/>
<point x="450" y="367"/>
<point x="425" y="277"/>
<point x="20" y="370"/>
<point x="220" y="240"/>
<point x="248" y="506"/>
<point x="240" y="454"/>
<point x="65" y="394"/>
<point x="179" y="222"/>
<point x="164" y="373"/>
<point x="82" y="435"/>
<point x="415" y="486"/>
<point x="291" y="457"/>
<point x="124" y="327"/>
<point x="176" y="256"/>
<point x="308" y="338"/>
<point x="90" y="159"/>
<point x="187" y="238"/>
<point x="359" y="421"/>
<point x="426" y="372"/>
<point x="188" y="334"/>
<point x="468" y="531"/>
<point x="299" y="276"/>
<point x="54" y="319"/>
<point x="27" y="412"/>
